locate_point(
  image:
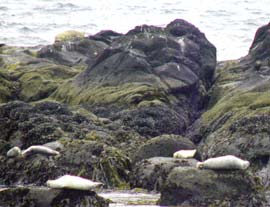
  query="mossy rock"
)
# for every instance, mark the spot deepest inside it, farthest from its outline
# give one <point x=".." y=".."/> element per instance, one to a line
<point x="239" y="107"/>
<point x="8" y="87"/>
<point x="31" y="78"/>
<point x="70" y="35"/>
<point x="39" y="83"/>
<point x="124" y="95"/>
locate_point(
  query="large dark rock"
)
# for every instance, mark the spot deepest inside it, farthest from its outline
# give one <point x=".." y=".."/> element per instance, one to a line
<point x="156" y="74"/>
<point x="260" y="46"/>
<point x="163" y="146"/>
<point x="45" y="197"/>
<point x="192" y="187"/>
<point x="152" y="173"/>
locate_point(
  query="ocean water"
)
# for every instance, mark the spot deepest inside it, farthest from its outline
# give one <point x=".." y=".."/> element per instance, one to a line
<point x="229" y="24"/>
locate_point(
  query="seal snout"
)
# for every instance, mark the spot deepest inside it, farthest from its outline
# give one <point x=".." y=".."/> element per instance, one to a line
<point x="199" y="165"/>
<point x="246" y="164"/>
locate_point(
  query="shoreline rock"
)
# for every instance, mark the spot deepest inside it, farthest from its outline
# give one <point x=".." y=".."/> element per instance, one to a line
<point x="44" y="197"/>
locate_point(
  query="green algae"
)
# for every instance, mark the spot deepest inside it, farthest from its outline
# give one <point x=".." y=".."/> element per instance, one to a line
<point x="131" y="94"/>
<point x="70" y="35"/>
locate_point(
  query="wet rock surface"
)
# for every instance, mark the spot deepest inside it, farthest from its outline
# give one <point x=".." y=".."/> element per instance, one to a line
<point x="193" y="187"/>
<point x="152" y="173"/>
<point x="45" y="197"/>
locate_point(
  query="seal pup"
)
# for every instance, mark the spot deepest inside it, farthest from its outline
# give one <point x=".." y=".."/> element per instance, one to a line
<point x="184" y="154"/>
<point x="73" y="182"/>
<point x="228" y="162"/>
<point x="35" y="149"/>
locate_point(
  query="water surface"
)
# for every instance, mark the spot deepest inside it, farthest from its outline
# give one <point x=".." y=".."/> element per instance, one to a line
<point x="230" y="25"/>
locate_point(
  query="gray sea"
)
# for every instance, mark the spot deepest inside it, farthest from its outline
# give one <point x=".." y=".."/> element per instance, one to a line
<point x="229" y="24"/>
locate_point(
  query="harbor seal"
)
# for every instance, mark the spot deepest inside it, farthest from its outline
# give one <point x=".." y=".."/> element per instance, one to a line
<point x="14" y="152"/>
<point x="73" y="182"/>
<point x="35" y="149"/>
<point x="184" y="154"/>
<point x="228" y="162"/>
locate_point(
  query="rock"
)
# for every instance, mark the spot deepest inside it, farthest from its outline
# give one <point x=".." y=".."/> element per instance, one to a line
<point x="259" y="49"/>
<point x="25" y="125"/>
<point x="44" y="197"/>
<point x="153" y="119"/>
<point x="152" y="173"/>
<point x="73" y="53"/>
<point x="82" y="142"/>
<point x="163" y="146"/>
<point x="192" y="187"/>
<point x="29" y="78"/>
<point x="8" y="88"/>
<point x="106" y="36"/>
<point x="69" y="36"/>
<point x="237" y="121"/>
<point x="88" y="159"/>
<point x="158" y="75"/>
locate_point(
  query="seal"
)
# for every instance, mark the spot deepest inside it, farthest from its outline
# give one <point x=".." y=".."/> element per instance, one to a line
<point x="184" y="154"/>
<point x="35" y="149"/>
<point x="73" y="182"/>
<point x="228" y="162"/>
<point x="14" y="152"/>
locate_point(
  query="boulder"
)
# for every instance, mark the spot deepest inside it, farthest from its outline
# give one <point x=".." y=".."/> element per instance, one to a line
<point x="163" y="146"/>
<point x="152" y="173"/>
<point x="45" y="197"/>
<point x="193" y="187"/>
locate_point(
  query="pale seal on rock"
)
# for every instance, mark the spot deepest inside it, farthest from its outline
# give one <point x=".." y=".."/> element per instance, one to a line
<point x="228" y="162"/>
<point x="73" y="182"/>
<point x="35" y="149"/>
<point x="184" y="154"/>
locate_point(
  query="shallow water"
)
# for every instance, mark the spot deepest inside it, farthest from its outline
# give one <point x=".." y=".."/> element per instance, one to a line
<point x="131" y="199"/>
<point x="230" y="25"/>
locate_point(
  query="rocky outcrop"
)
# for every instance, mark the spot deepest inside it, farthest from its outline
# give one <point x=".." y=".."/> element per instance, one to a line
<point x="151" y="79"/>
<point x="152" y="173"/>
<point x="192" y="187"/>
<point x="237" y="120"/>
<point x="45" y="197"/>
